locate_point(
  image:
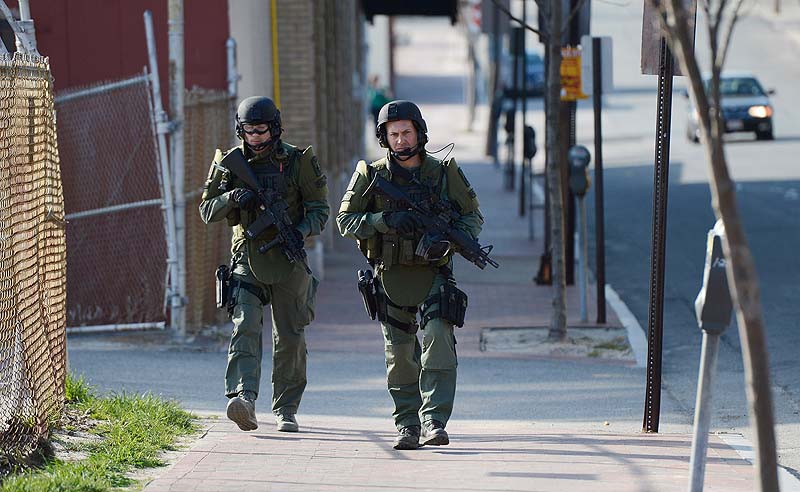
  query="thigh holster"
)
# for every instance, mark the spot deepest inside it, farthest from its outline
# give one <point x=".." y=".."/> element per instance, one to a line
<point x="451" y="305"/>
<point x="383" y="314"/>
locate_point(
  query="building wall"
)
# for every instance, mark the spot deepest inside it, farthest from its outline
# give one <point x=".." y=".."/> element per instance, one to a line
<point x="89" y="41"/>
<point x="322" y="86"/>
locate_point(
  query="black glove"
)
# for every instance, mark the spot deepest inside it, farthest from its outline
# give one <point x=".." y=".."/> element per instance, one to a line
<point x="244" y="198"/>
<point x="403" y="222"/>
<point x="298" y="236"/>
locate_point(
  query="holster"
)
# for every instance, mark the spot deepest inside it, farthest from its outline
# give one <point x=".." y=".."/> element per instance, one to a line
<point x="452" y="303"/>
<point x="367" y="287"/>
<point x="377" y="303"/>
<point x="222" y="279"/>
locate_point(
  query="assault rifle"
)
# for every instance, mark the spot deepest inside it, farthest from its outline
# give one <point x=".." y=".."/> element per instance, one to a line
<point x="437" y="217"/>
<point x="273" y="212"/>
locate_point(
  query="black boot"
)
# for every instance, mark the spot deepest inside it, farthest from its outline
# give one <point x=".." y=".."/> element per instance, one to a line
<point x="433" y="434"/>
<point x="407" y="438"/>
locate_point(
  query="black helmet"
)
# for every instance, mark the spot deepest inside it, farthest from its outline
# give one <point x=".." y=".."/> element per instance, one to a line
<point x="259" y="110"/>
<point x="401" y="110"/>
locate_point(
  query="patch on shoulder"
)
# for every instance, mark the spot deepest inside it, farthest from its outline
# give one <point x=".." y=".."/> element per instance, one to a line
<point x="315" y="165"/>
<point x="321" y="182"/>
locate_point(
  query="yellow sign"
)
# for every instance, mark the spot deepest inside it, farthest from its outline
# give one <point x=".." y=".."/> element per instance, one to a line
<point x="571" y="74"/>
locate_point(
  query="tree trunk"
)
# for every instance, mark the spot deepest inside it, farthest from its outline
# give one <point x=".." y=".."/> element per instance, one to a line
<point x="558" y="322"/>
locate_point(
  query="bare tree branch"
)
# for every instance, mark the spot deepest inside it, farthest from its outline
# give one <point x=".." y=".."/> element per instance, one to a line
<point x="518" y="21"/>
<point x="726" y="39"/>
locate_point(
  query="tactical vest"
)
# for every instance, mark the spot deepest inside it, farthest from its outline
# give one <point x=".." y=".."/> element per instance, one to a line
<point x="277" y="173"/>
<point x="393" y="248"/>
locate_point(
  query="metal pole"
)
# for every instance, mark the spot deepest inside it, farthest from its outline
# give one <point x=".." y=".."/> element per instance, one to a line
<point x="523" y="167"/>
<point x="23" y="31"/>
<point x="233" y="75"/>
<point x="26" y="23"/>
<point x="655" y="328"/>
<point x="702" y="411"/>
<point x="599" y="214"/>
<point x="583" y="257"/>
<point x="162" y="128"/>
<point x="511" y="164"/>
<point x="176" y="101"/>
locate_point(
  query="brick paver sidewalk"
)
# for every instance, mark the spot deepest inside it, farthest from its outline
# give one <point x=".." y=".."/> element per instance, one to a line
<point x="338" y="454"/>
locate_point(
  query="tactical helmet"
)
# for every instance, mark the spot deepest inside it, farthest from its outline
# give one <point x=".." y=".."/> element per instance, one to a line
<point x="401" y="110"/>
<point x="259" y="110"/>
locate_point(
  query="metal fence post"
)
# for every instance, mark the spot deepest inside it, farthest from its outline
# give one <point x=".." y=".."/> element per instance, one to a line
<point x="176" y="101"/>
<point x="162" y="128"/>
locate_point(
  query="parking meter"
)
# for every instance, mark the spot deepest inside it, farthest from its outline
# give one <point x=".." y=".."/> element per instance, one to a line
<point x="578" y="158"/>
<point x="529" y="143"/>
<point x="713" y="306"/>
<point x="510" y="121"/>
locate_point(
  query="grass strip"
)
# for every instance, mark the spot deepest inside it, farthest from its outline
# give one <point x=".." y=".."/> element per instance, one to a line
<point x="134" y="430"/>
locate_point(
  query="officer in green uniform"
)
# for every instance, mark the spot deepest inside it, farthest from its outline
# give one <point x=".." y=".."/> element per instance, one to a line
<point x="258" y="279"/>
<point x="421" y="378"/>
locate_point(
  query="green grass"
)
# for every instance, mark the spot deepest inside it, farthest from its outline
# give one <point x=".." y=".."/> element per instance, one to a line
<point x="618" y="343"/>
<point x="134" y="430"/>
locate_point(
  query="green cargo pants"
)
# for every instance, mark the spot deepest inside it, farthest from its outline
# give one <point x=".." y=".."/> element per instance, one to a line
<point x="292" y="303"/>
<point x="421" y="378"/>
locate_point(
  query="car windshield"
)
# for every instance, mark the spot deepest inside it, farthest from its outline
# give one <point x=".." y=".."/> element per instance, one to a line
<point x="738" y="86"/>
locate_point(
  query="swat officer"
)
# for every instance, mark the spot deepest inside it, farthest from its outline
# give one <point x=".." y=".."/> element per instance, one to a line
<point x="258" y="279"/>
<point x="421" y="378"/>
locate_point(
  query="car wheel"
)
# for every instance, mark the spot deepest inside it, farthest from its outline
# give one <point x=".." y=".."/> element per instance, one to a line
<point x="765" y="135"/>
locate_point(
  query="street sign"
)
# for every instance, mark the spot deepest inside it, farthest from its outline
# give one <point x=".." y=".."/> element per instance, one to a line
<point x="606" y="65"/>
<point x="652" y="34"/>
<point x="571" y="74"/>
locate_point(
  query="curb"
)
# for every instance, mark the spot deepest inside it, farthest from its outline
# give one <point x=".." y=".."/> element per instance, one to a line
<point x="636" y="335"/>
<point x="788" y="482"/>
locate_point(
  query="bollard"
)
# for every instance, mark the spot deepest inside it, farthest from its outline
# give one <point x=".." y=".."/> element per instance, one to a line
<point x="713" y="308"/>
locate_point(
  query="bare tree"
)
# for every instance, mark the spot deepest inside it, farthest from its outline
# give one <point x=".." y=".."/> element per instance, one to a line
<point x="721" y="17"/>
<point x="554" y="23"/>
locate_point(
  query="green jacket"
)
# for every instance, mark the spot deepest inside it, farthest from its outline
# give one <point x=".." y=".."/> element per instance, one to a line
<point x="405" y="276"/>
<point x="306" y="192"/>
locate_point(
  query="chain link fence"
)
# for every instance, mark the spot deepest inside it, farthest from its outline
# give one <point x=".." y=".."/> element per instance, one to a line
<point x="209" y="125"/>
<point x="32" y="258"/>
<point x="116" y="245"/>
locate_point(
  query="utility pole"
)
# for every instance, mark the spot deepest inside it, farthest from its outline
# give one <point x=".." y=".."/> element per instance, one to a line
<point x="176" y="98"/>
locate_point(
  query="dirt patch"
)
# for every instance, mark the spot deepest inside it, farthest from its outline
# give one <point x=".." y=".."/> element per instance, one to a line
<point x="588" y="342"/>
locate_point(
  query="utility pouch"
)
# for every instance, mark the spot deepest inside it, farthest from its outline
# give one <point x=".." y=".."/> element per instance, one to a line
<point x="223" y="285"/>
<point x="369" y="291"/>
<point x="452" y="307"/>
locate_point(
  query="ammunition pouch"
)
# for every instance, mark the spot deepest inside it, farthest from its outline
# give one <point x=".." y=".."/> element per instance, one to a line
<point x="452" y="305"/>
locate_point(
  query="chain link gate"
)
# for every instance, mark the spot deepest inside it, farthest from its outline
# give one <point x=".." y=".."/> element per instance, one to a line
<point x="32" y="259"/>
<point x="116" y="246"/>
